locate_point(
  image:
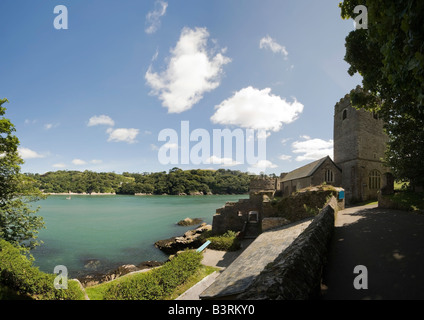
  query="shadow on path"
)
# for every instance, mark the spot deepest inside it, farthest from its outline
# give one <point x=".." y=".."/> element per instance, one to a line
<point x="389" y="243"/>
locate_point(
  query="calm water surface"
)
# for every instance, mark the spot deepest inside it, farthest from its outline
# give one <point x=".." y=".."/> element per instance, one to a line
<point x="114" y="230"/>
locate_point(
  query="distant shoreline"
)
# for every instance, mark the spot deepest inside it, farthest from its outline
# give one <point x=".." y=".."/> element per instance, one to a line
<point x="78" y="194"/>
<point x="137" y="194"/>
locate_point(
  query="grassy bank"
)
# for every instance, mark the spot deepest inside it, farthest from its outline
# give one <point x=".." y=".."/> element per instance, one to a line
<point x="164" y="283"/>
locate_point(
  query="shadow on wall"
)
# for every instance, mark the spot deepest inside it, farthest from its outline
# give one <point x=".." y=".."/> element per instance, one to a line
<point x="389" y="243"/>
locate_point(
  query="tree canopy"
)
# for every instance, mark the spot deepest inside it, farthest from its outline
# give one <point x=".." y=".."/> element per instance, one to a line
<point x="175" y="182"/>
<point x="18" y="223"/>
<point x="389" y="55"/>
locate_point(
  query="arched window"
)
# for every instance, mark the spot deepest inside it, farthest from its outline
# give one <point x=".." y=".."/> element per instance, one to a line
<point x="344" y="114"/>
<point x="329" y="176"/>
<point x="374" y="180"/>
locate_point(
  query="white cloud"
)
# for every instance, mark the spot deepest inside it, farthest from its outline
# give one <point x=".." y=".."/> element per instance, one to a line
<point x="170" y="146"/>
<point x="26" y="153"/>
<point x="79" y="162"/>
<point x="49" y="126"/>
<point x="264" y="164"/>
<point x="191" y="72"/>
<point x="101" y="120"/>
<point x="153" y="17"/>
<point x="122" y="135"/>
<point x="224" y="162"/>
<point x="94" y="161"/>
<point x="270" y="44"/>
<point x="285" y="157"/>
<point x="312" y="149"/>
<point x="28" y="121"/>
<point x="59" y="165"/>
<point x="285" y="140"/>
<point x="257" y="109"/>
<point x="261" y="166"/>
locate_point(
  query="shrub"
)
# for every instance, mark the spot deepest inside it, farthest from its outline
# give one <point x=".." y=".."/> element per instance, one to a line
<point x="157" y="283"/>
<point x="226" y="242"/>
<point x="18" y="273"/>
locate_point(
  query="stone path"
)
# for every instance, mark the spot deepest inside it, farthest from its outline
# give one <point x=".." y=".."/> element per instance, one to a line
<point x="242" y="272"/>
<point x="389" y="243"/>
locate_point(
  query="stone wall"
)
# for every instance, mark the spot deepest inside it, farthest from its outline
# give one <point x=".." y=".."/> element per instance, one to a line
<point x="262" y="184"/>
<point x="304" y="204"/>
<point x="296" y="273"/>
<point x="234" y="215"/>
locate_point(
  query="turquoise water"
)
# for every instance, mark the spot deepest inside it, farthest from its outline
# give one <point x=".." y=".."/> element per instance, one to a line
<point x="114" y="230"/>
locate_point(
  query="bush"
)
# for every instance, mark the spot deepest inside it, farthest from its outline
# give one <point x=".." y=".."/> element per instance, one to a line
<point x="18" y="273"/>
<point x="158" y="283"/>
<point x="226" y="242"/>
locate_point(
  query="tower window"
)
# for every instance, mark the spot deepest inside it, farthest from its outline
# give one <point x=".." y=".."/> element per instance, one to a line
<point x="329" y="177"/>
<point x="344" y="114"/>
<point x="374" y="179"/>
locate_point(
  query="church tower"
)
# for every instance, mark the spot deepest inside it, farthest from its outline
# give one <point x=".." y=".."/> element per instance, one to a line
<point x="359" y="147"/>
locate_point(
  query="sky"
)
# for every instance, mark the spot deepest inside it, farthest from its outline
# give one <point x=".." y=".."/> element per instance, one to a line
<point x="143" y="86"/>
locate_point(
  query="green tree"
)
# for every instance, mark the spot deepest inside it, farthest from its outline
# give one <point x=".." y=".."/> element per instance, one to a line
<point x="389" y="55"/>
<point x="18" y="223"/>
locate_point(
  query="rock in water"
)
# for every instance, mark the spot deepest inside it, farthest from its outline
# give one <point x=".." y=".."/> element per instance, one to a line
<point x="189" y="222"/>
<point x="190" y="240"/>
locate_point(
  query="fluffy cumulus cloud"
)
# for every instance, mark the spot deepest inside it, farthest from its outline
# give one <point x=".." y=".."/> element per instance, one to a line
<point x="59" y="165"/>
<point x="224" y="162"/>
<point x="153" y="17"/>
<point x="257" y="109"/>
<point x="312" y="149"/>
<point x="261" y="166"/>
<point x="26" y="154"/>
<point x="192" y="71"/>
<point x="122" y="135"/>
<point x="270" y="44"/>
<point x="101" y="120"/>
<point x="78" y="162"/>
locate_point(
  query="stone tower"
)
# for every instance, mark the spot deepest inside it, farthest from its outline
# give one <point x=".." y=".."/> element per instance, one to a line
<point x="359" y="147"/>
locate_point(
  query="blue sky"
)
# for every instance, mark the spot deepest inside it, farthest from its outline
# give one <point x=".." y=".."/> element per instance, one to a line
<point x="96" y="96"/>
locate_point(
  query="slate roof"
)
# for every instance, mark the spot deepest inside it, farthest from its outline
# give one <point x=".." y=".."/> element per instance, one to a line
<point x="306" y="171"/>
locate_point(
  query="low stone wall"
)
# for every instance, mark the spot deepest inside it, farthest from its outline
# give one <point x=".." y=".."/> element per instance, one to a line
<point x="273" y="222"/>
<point x="296" y="273"/>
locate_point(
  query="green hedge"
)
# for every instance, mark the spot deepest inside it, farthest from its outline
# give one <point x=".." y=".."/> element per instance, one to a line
<point x="157" y="283"/>
<point x="226" y="242"/>
<point x="18" y="273"/>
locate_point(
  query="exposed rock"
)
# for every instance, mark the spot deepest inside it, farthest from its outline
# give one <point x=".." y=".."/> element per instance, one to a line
<point x="149" y="265"/>
<point x="190" y="240"/>
<point x="196" y="193"/>
<point x="92" y="264"/>
<point x="96" y="278"/>
<point x="189" y="222"/>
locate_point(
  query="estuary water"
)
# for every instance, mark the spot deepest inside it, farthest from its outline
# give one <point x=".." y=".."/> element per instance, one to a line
<point x="99" y="233"/>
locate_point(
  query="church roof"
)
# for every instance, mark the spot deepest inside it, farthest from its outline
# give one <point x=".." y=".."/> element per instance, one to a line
<point x="305" y="171"/>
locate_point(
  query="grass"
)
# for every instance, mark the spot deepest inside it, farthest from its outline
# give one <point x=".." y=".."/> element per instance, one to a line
<point x="201" y="273"/>
<point x="408" y="200"/>
<point x="97" y="292"/>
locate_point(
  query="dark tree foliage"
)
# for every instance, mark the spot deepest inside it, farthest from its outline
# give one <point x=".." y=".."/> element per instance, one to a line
<point x="389" y="55"/>
<point x="175" y="182"/>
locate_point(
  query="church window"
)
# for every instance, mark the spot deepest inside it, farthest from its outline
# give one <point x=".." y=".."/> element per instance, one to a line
<point x="329" y="177"/>
<point x="344" y="114"/>
<point x="374" y="179"/>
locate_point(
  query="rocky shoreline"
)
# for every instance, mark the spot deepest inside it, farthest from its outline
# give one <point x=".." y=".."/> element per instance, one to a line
<point x="190" y="240"/>
<point x="99" y="277"/>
